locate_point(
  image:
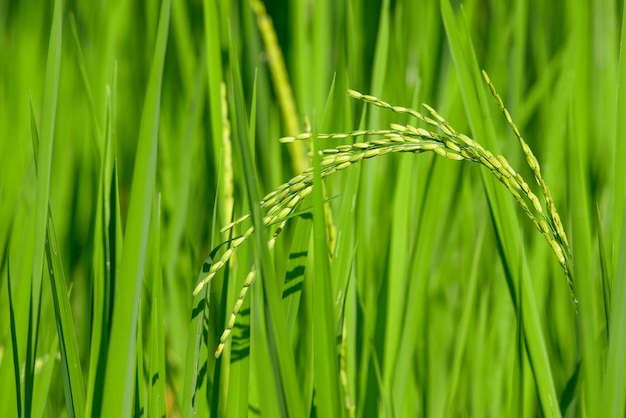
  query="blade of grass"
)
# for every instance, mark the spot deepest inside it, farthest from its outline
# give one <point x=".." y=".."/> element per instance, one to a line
<point x="344" y="287"/>
<point x="299" y="56"/>
<point x="268" y="386"/>
<point x="294" y="271"/>
<point x="157" y="378"/>
<point x="417" y="307"/>
<point x="614" y="389"/>
<point x="620" y="146"/>
<point x="86" y="84"/>
<point x="327" y="388"/>
<point x="381" y="55"/>
<point x="579" y="127"/>
<point x="362" y="314"/>
<point x="139" y="398"/>
<point x="399" y="256"/>
<point x="430" y="209"/>
<point x="369" y="203"/>
<point x="605" y="275"/>
<point x="299" y="324"/>
<point x="267" y="374"/>
<point x="466" y="318"/>
<point x="44" y="157"/>
<point x="70" y="359"/>
<point x="196" y="358"/>
<point x="196" y="367"/>
<point x="14" y="337"/>
<point x="348" y="347"/>
<point x="215" y="78"/>
<point x="239" y="396"/>
<point x="44" y="366"/>
<point x="70" y="356"/>
<point x="185" y="205"/>
<point x="229" y="290"/>
<point x="281" y="355"/>
<point x="343" y="258"/>
<point x="118" y="390"/>
<point x="221" y="373"/>
<point x="183" y="38"/>
<point x="30" y="362"/>
<point x="105" y="259"/>
<point x="321" y="42"/>
<point x="379" y="72"/>
<point x="185" y="173"/>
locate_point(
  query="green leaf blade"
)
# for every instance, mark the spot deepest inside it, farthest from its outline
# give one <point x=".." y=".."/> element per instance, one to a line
<point x="119" y="381"/>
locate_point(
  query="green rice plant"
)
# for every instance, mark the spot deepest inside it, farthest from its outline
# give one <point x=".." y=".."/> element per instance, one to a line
<point x="282" y="203"/>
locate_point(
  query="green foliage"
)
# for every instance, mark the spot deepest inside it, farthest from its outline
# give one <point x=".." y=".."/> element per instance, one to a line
<point x="196" y="220"/>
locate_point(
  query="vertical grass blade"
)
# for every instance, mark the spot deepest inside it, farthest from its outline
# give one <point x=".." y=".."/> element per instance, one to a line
<point x="379" y="71"/>
<point x="327" y="388"/>
<point x="215" y="78"/>
<point x="281" y="355"/>
<point x="381" y="55"/>
<point x="44" y="369"/>
<point x="614" y="390"/>
<point x="196" y="360"/>
<point x="30" y="361"/>
<point x="70" y="356"/>
<point x="16" y="359"/>
<point x="270" y="398"/>
<point x="105" y="258"/>
<point x="156" y="376"/>
<point x="620" y="142"/>
<point x="321" y="41"/>
<point x="341" y="269"/>
<point x="139" y="398"/>
<point x="399" y="256"/>
<point x="185" y="173"/>
<point x="267" y="371"/>
<point x="86" y="84"/>
<point x="464" y="327"/>
<point x="578" y="165"/>
<point x="48" y="119"/>
<point x="239" y="380"/>
<point x="118" y="390"/>
<point x="299" y="326"/>
<point x="70" y="359"/>
<point x="195" y="363"/>
<point x="233" y="370"/>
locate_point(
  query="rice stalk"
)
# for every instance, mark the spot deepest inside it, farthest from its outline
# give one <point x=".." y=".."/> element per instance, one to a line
<point x="287" y="104"/>
<point x="553" y="215"/>
<point x="249" y="280"/>
<point x="281" y="82"/>
<point x="280" y="204"/>
<point x="343" y="371"/>
<point x="501" y="169"/>
<point x="227" y="150"/>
